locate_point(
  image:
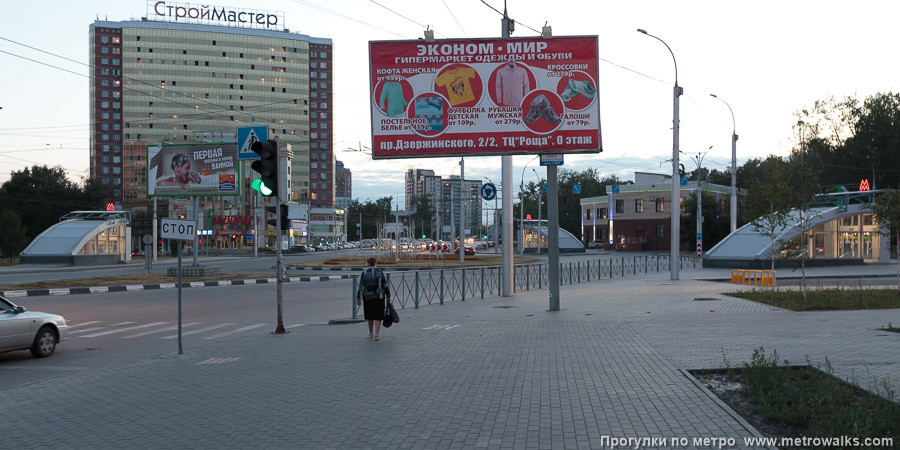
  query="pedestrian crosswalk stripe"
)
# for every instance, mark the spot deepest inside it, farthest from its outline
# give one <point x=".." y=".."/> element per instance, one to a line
<point x="214" y="327"/>
<point x="122" y="330"/>
<point x="162" y="330"/>
<point x="83" y="324"/>
<point x="247" y="328"/>
<point x="86" y="330"/>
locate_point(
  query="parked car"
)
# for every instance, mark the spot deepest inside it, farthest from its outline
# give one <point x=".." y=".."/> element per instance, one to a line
<point x="30" y="330"/>
<point x="299" y="248"/>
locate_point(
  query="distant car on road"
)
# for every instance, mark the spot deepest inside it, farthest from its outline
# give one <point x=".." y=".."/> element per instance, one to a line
<point x="299" y="248"/>
<point x="30" y="330"/>
<point x="470" y="251"/>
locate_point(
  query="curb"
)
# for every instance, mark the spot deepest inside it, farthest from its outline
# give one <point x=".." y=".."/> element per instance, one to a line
<point x="346" y="321"/>
<point x="147" y="287"/>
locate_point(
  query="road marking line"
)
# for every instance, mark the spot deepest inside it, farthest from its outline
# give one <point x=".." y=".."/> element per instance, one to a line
<point x="214" y="327"/>
<point x="295" y="326"/>
<point x="215" y="336"/>
<point x="121" y="323"/>
<point x="86" y="330"/>
<point x="122" y="330"/>
<point x="161" y="330"/>
<point x="219" y="360"/>
<point x="83" y="324"/>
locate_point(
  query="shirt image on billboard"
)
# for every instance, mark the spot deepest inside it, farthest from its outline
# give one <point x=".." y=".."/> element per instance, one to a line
<point x="392" y="96"/>
<point x="511" y="82"/>
<point x="182" y="174"/>
<point x="461" y="84"/>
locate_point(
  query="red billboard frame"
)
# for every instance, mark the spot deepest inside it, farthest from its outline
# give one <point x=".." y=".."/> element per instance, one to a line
<point x="480" y="97"/>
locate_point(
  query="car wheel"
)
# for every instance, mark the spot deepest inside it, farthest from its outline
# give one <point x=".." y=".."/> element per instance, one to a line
<point x="44" y="343"/>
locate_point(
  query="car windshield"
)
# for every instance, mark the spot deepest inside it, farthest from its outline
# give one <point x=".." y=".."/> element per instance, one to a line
<point x="5" y="306"/>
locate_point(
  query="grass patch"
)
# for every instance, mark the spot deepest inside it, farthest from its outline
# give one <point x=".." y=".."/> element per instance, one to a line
<point x="8" y="263"/>
<point x="825" y="299"/>
<point x="787" y="401"/>
<point x="145" y="278"/>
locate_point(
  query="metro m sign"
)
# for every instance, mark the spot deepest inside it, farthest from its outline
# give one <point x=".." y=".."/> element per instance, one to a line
<point x="484" y="97"/>
<point x="864" y="185"/>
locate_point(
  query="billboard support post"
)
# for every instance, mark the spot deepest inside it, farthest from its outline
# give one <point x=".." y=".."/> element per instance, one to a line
<point x="506" y="182"/>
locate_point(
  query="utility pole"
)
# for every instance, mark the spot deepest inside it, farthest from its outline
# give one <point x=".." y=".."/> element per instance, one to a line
<point x="506" y="285"/>
<point x="462" y="212"/>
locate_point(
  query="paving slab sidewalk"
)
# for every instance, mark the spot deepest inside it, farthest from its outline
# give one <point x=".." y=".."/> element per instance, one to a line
<point x="492" y="373"/>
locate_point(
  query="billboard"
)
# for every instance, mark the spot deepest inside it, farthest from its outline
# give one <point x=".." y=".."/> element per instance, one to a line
<point x="484" y="97"/>
<point x="185" y="170"/>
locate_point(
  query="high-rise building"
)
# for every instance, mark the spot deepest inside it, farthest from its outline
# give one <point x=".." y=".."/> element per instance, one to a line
<point x="157" y="81"/>
<point x="343" y="185"/>
<point x="415" y="186"/>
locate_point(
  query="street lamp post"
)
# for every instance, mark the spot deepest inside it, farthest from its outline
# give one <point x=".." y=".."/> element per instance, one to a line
<point x="675" y="251"/>
<point x="496" y="196"/>
<point x="734" y="138"/>
<point x="699" y="161"/>
<point x="540" y="195"/>
<point x="522" y="208"/>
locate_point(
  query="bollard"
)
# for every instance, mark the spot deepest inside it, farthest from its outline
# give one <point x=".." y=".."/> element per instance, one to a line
<point x="463" y="288"/>
<point x="355" y="287"/>
<point x="482" y="282"/>
<point x="417" y="289"/>
<point x="528" y="277"/>
<point x="441" y="292"/>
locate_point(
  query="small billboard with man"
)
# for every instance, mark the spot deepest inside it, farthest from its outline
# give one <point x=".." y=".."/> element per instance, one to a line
<point x="193" y="169"/>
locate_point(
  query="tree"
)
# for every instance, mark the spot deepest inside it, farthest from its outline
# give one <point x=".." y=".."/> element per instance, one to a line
<point x="373" y="215"/>
<point x="425" y="213"/>
<point x="887" y="213"/>
<point x="768" y="202"/>
<point x="41" y="195"/>
<point x="13" y="238"/>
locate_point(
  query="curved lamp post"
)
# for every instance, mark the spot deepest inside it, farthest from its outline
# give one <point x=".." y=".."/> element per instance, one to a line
<point x="522" y="208"/>
<point x="734" y="138"/>
<point x="675" y="251"/>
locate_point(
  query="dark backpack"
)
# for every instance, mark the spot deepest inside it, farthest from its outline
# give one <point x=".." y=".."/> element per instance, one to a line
<point x="371" y="284"/>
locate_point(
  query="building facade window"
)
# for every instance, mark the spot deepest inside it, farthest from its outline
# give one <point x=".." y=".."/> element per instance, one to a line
<point x="660" y="231"/>
<point x="639" y="205"/>
<point x="660" y="205"/>
<point x="620" y="206"/>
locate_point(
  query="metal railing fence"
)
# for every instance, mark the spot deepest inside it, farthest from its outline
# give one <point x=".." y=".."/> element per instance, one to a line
<point x="429" y="286"/>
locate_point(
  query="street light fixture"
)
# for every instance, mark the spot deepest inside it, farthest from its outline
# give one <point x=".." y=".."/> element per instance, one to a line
<point x="675" y="251"/>
<point x="734" y="138"/>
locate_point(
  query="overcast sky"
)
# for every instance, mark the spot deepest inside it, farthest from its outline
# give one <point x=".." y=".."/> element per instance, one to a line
<point x="767" y="59"/>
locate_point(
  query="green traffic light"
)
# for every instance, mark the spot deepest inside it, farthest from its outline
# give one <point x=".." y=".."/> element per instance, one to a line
<point x="261" y="187"/>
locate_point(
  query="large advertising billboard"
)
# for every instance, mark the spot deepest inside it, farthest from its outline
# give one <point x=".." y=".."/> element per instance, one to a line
<point x="181" y="170"/>
<point x="484" y="97"/>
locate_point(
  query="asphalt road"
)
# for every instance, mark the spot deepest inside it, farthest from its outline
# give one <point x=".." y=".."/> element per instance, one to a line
<point x="114" y="327"/>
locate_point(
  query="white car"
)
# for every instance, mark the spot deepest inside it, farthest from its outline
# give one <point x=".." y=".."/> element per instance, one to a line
<point x="30" y="330"/>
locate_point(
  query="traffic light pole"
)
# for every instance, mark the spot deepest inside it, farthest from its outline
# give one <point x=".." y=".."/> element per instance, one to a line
<point x="279" y="277"/>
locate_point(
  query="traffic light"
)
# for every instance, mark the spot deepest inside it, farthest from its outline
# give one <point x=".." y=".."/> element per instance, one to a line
<point x="266" y="166"/>
<point x="285" y="221"/>
<point x="273" y="222"/>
